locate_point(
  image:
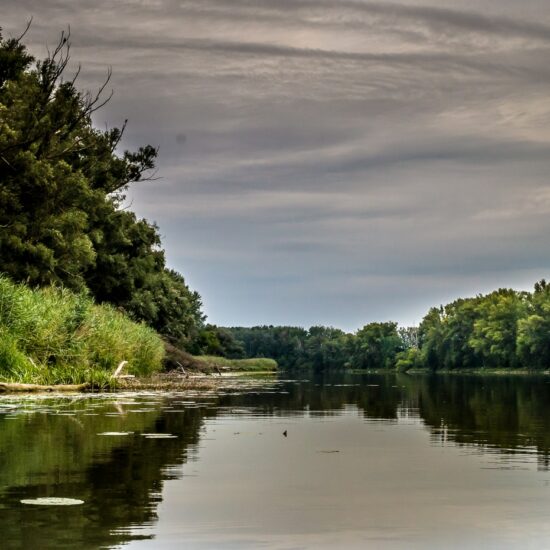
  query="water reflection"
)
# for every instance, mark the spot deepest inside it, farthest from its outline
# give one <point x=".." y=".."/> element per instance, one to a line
<point x="53" y="446"/>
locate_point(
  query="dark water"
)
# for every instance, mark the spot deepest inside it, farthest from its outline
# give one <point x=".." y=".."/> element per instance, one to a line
<point x="368" y="462"/>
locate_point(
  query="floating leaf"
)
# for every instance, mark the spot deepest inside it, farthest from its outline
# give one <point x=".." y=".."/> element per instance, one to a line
<point x="52" y="501"/>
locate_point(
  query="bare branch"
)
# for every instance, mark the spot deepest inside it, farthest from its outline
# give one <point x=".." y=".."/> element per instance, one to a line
<point x="129" y="206"/>
<point x="152" y="177"/>
<point x="2" y="157"/>
<point x="94" y="104"/>
<point x="117" y="141"/>
<point x="29" y="23"/>
<point x="76" y="74"/>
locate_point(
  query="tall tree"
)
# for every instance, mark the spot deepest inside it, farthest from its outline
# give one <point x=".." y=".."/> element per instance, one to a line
<point x="62" y="186"/>
<point x="377" y="346"/>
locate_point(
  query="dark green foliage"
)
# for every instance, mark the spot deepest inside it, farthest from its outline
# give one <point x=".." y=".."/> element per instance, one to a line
<point x="287" y="345"/>
<point x="376" y="346"/>
<point x="217" y="341"/>
<point x="320" y="348"/>
<point x="533" y="331"/>
<point x="407" y="359"/>
<point x="327" y="347"/>
<point x="505" y="329"/>
<point x="62" y="185"/>
<point x="501" y="330"/>
<point x="444" y="336"/>
<point x="495" y="330"/>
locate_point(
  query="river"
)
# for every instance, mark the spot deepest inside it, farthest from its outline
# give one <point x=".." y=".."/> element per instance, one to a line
<point x="300" y="461"/>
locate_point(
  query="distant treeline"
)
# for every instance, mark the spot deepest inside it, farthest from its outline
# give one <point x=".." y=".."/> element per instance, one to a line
<point x="505" y="329"/>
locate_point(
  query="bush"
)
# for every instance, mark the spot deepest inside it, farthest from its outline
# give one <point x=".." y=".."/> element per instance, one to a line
<point x="407" y="360"/>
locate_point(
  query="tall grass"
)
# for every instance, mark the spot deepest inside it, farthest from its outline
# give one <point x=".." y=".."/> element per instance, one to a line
<point x="52" y="335"/>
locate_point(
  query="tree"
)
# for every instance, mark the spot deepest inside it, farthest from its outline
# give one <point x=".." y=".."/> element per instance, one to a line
<point x="62" y="187"/>
<point x="377" y="346"/>
<point x="431" y="339"/>
<point x="495" y="332"/>
<point x="533" y="334"/>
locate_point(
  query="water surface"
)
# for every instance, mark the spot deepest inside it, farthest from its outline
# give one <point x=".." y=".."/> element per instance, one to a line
<point x="367" y="462"/>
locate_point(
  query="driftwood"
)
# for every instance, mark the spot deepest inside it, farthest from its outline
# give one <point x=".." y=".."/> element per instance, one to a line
<point x="118" y="370"/>
<point x="13" y="387"/>
<point x="117" y="374"/>
<point x="176" y="358"/>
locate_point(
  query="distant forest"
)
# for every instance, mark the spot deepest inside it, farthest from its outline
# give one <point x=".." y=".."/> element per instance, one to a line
<point x="64" y="222"/>
<point x="504" y="330"/>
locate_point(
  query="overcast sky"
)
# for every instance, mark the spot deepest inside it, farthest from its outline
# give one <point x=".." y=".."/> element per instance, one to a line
<point x="328" y="162"/>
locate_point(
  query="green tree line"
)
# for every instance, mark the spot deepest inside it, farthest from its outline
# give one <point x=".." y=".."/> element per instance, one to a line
<point x="504" y="329"/>
<point x="375" y="346"/>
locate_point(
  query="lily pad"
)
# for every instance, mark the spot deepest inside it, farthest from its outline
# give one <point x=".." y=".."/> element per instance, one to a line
<point x="52" y="501"/>
<point x="159" y="436"/>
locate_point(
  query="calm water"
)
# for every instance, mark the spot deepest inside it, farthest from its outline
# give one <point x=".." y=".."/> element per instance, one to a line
<point x="368" y="462"/>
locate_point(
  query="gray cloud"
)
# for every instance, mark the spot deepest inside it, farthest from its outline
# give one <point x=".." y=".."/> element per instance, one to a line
<point x="429" y="16"/>
<point x="328" y="162"/>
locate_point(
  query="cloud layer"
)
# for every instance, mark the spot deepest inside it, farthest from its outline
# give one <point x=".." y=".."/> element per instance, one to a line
<point x="329" y="162"/>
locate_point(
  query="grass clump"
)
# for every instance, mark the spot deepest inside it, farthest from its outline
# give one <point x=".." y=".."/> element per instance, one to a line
<point x="53" y="336"/>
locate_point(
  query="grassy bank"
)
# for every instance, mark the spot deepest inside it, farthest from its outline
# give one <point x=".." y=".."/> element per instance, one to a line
<point x="54" y="336"/>
<point x="259" y="364"/>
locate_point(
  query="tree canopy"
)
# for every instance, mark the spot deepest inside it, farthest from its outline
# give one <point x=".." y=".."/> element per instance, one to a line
<point x="62" y="190"/>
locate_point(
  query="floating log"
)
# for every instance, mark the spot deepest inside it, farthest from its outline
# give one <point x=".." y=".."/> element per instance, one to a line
<point x="14" y="387"/>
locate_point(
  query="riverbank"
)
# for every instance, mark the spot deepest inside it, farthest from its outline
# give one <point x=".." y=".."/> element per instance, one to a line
<point x="161" y="382"/>
<point x="179" y="382"/>
<point x="481" y="372"/>
<point x="179" y="360"/>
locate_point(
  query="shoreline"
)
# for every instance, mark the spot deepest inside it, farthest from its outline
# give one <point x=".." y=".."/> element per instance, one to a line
<point x="159" y="382"/>
<point x="203" y="381"/>
<point x="457" y="372"/>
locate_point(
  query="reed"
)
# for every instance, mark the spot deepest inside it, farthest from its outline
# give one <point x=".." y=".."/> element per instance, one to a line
<point x="52" y="335"/>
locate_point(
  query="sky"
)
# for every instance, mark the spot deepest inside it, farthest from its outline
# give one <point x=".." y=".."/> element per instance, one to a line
<point x="327" y="162"/>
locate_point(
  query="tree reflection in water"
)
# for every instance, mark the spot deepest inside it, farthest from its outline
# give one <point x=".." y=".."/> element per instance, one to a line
<point x="50" y="447"/>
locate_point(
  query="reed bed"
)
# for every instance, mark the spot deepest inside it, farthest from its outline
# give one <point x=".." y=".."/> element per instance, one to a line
<point x="55" y="336"/>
